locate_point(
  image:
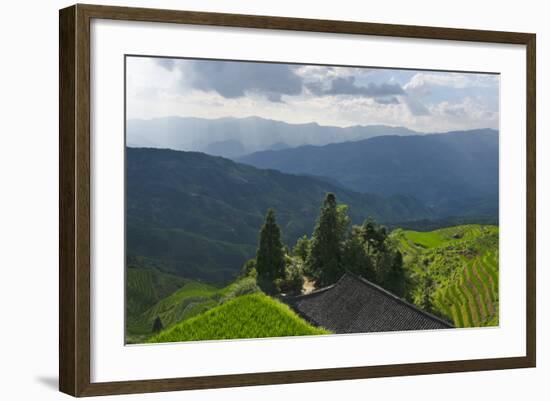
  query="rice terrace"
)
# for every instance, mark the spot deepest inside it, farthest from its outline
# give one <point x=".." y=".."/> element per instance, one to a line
<point x="467" y="293"/>
<point x="270" y="199"/>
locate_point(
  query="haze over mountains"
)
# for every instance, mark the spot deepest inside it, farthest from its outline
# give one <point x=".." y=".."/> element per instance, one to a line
<point x="455" y="173"/>
<point x="452" y="174"/>
<point x="215" y="206"/>
<point x="235" y="137"/>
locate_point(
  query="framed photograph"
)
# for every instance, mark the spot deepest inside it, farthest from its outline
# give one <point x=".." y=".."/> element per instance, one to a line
<point x="250" y="200"/>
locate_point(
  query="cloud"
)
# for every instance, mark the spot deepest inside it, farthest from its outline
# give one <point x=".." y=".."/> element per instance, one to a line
<point x="167" y="63"/>
<point x="320" y="73"/>
<point x="387" y="100"/>
<point x="347" y="86"/>
<point x="342" y="96"/>
<point x="415" y="106"/>
<point x="423" y="83"/>
<point x="232" y="79"/>
<point x="468" y="108"/>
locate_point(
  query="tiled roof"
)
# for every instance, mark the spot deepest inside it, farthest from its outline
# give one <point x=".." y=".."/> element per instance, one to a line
<point x="355" y="305"/>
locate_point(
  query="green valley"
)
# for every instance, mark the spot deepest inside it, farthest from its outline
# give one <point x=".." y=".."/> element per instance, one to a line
<point x="450" y="272"/>
<point x="198" y="215"/>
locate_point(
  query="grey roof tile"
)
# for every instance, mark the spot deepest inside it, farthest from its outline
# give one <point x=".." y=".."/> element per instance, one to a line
<point x="355" y="305"/>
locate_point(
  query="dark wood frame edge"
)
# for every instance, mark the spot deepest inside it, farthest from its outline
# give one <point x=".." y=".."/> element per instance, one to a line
<point x="74" y="199"/>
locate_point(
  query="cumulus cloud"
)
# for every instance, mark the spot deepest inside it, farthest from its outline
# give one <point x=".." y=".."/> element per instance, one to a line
<point x="415" y="106"/>
<point x="321" y="73"/>
<point x="347" y="86"/>
<point x="232" y="79"/>
<point x="430" y="92"/>
<point x="167" y="63"/>
<point x="423" y="82"/>
<point x="468" y="108"/>
<point x="343" y="96"/>
<point x="387" y="100"/>
<point x="383" y="93"/>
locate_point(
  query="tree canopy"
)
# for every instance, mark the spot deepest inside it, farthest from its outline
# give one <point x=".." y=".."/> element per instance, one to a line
<point x="334" y="248"/>
<point x="270" y="257"/>
<point x="325" y="258"/>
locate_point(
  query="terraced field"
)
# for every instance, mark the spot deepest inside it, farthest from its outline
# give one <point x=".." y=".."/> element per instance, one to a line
<point x="192" y="299"/>
<point x="146" y="286"/>
<point x="460" y="265"/>
<point x="247" y="316"/>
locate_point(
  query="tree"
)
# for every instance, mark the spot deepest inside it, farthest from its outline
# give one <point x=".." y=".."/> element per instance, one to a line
<point x="343" y="220"/>
<point x="325" y="257"/>
<point x="395" y="276"/>
<point x="270" y="258"/>
<point x="293" y="280"/>
<point x="249" y="268"/>
<point x="157" y="325"/>
<point x="302" y="248"/>
<point x="374" y="236"/>
<point x="355" y="257"/>
<point x="423" y="293"/>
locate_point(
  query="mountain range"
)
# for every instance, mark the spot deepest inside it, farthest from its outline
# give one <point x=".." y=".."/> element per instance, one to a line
<point x="454" y="174"/>
<point x="199" y="215"/>
<point x="235" y="137"/>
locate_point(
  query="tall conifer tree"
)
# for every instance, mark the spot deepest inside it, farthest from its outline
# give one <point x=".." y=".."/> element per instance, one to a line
<point x="270" y="260"/>
<point x="325" y="256"/>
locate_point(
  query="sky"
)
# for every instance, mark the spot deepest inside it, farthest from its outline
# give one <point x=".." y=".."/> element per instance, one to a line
<point x="426" y="101"/>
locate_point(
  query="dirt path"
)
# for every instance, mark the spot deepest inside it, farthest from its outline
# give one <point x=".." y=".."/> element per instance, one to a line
<point x="309" y="285"/>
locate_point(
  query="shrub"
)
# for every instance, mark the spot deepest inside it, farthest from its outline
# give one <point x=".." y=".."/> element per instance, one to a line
<point x="249" y="268"/>
<point x="244" y="286"/>
<point x="157" y="325"/>
<point x="293" y="280"/>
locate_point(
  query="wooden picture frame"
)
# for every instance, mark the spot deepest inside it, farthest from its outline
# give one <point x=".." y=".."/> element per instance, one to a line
<point x="74" y="199"/>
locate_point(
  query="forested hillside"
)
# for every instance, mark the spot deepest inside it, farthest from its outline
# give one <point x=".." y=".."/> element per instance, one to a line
<point x="198" y="216"/>
<point x="451" y="272"/>
<point x="455" y="173"/>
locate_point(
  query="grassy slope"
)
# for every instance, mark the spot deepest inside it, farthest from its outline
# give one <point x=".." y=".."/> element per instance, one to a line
<point x="247" y="316"/>
<point x="147" y="286"/>
<point x="192" y="299"/>
<point x="462" y="261"/>
<point x="188" y="254"/>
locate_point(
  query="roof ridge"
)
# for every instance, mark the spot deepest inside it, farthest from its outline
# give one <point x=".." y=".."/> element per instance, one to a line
<point x="314" y="292"/>
<point x="392" y="295"/>
<point x="317" y="291"/>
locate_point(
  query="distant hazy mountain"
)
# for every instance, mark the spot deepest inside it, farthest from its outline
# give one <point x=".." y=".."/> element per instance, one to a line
<point x="233" y="137"/>
<point x="199" y="215"/>
<point x="455" y="173"/>
<point x="229" y="148"/>
<point x="279" y="146"/>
